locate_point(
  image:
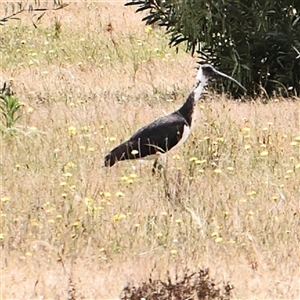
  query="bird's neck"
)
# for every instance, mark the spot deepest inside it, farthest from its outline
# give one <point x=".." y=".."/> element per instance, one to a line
<point x="187" y="109"/>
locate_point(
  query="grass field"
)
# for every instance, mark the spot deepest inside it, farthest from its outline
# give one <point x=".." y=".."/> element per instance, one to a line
<point x="89" y="76"/>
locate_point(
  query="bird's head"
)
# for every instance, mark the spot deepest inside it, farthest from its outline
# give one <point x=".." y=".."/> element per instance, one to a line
<point x="207" y="72"/>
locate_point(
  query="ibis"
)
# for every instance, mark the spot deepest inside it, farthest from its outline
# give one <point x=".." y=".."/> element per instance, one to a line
<point x="168" y="132"/>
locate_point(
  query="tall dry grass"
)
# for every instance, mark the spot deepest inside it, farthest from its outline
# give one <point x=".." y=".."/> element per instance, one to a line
<point x="72" y="228"/>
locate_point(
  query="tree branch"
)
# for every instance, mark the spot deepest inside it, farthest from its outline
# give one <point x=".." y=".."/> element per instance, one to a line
<point x="30" y="9"/>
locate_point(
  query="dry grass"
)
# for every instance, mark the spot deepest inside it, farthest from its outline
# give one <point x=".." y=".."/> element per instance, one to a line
<point x="71" y="228"/>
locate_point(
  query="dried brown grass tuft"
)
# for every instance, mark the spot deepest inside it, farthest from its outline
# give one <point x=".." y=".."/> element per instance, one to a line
<point x="192" y="286"/>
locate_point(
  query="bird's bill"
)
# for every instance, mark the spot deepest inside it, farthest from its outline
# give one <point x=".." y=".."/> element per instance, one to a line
<point x="218" y="73"/>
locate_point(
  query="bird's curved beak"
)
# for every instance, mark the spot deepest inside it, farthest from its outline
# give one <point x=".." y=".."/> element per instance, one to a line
<point x="220" y="74"/>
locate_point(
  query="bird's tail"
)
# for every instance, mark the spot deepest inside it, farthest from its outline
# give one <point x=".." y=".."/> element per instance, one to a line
<point x="121" y="152"/>
<point x="109" y="160"/>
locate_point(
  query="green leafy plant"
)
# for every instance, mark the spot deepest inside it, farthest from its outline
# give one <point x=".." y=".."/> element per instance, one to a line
<point x="258" y="42"/>
<point x="10" y="109"/>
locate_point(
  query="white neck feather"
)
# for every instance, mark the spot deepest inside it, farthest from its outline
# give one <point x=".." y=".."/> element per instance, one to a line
<point x="198" y="90"/>
<point x="201" y="82"/>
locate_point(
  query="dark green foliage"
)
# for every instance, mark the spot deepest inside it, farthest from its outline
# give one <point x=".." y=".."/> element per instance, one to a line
<point x="257" y="42"/>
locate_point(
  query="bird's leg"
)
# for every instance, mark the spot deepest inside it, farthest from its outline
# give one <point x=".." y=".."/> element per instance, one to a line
<point x="157" y="167"/>
<point x="166" y="184"/>
<point x="160" y="168"/>
<point x="154" y="167"/>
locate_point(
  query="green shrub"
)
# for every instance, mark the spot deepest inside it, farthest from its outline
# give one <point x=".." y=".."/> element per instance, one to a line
<point x="10" y="109"/>
<point x="257" y="42"/>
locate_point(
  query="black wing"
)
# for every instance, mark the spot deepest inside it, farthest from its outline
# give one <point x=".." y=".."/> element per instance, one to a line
<point x="159" y="136"/>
